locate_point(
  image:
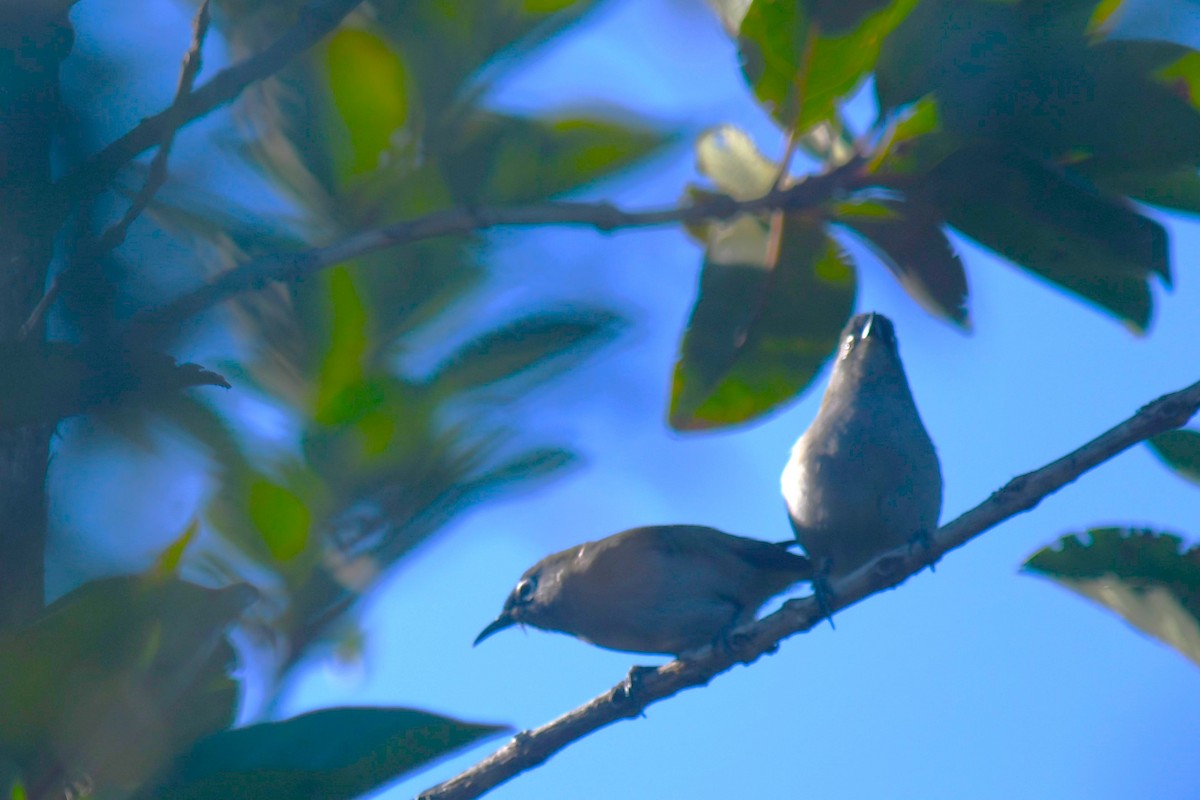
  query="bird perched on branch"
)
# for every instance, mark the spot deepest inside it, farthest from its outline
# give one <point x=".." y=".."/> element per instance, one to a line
<point x="864" y="478"/>
<point x="659" y="589"/>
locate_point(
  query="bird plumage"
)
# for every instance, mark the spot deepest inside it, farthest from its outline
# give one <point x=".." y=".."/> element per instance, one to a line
<point x="657" y="589"/>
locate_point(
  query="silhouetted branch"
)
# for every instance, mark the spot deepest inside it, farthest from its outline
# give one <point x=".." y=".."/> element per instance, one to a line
<point x="605" y="217"/>
<point x="114" y="235"/>
<point x="645" y="686"/>
<point x="317" y="19"/>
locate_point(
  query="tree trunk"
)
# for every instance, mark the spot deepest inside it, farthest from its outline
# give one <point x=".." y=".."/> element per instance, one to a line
<point x="31" y="50"/>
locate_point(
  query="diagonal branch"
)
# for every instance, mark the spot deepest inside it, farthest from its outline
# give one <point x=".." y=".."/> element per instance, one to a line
<point x="629" y="699"/>
<point x="604" y="217"/>
<point x="115" y="234"/>
<point x="317" y="18"/>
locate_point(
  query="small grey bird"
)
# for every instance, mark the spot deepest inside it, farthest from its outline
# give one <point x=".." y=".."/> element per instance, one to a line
<point x="659" y="589"/>
<point x="864" y="478"/>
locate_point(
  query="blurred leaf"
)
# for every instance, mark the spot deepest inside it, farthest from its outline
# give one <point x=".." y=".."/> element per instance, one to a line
<point x="281" y="517"/>
<point x="527" y="467"/>
<point x="910" y="241"/>
<point x="1043" y="219"/>
<point x="369" y="85"/>
<point x="342" y="367"/>
<point x="1147" y="577"/>
<point x="767" y="318"/>
<point x="728" y="157"/>
<point x="117" y="677"/>
<point x="523" y="344"/>
<point x="446" y="44"/>
<point x="802" y="59"/>
<point x="1179" y="450"/>
<point x="336" y="753"/>
<point x="497" y="158"/>
<point x="168" y="561"/>
<point x="731" y="13"/>
<point x="42" y="382"/>
<point x="1178" y="189"/>
<point x="1031" y="76"/>
<point x="914" y="142"/>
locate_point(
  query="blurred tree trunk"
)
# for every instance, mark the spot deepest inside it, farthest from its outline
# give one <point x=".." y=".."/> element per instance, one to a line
<point x="31" y="50"/>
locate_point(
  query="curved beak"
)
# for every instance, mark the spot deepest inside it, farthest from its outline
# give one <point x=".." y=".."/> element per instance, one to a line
<point x="501" y="622"/>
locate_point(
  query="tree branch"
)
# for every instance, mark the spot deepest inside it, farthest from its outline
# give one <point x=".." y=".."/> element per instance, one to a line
<point x="604" y="217"/>
<point x="644" y="686"/>
<point x="114" y="235"/>
<point x="317" y="19"/>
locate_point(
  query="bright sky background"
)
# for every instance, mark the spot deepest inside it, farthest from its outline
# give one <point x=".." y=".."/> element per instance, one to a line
<point x="974" y="682"/>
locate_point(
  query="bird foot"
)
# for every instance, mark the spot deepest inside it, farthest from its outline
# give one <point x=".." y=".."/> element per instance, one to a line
<point x="629" y="689"/>
<point x="924" y="540"/>
<point x="822" y="593"/>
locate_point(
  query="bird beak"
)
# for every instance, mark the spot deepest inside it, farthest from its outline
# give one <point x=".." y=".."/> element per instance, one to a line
<point x="866" y="331"/>
<point x="501" y="622"/>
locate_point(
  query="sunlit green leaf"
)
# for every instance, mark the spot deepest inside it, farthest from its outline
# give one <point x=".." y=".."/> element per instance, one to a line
<point x="342" y="368"/>
<point x="1151" y="579"/>
<point x="168" y="561"/>
<point x="767" y="318"/>
<point x="498" y="158"/>
<point x="1179" y="450"/>
<point x="1044" y="220"/>
<point x="282" y="518"/>
<point x="914" y="247"/>
<point x="334" y="754"/>
<point x="369" y="85"/>
<point x="802" y="59"/>
<point x="728" y="157"/>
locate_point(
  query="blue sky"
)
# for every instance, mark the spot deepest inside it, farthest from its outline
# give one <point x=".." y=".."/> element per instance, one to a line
<point x="972" y="682"/>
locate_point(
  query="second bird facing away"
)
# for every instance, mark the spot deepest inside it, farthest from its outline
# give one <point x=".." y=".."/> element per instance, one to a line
<point x="658" y="589"/>
<point x="864" y="478"/>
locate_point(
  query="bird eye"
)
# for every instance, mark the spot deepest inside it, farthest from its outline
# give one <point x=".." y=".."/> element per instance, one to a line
<point x="525" y="589"/>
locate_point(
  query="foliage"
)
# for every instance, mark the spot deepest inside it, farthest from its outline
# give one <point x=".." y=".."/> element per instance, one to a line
<point x="1020" y="124"/>
<point x="1149" y="578"/>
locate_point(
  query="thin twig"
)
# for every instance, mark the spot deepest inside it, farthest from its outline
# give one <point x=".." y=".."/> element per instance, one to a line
<point x="115" y="234"/>
<point x="604" y="217"/>
<point x="157" y="175"/>
<point x="531" y="748"/>
<point x="317" y="18"/>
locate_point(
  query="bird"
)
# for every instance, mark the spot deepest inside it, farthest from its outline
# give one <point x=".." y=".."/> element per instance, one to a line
<point x="665" y="589"/>
<point x="864" y="478"/>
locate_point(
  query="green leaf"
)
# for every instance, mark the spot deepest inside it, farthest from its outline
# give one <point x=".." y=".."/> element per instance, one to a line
<point x="1149" y="578"/>
<point x="449" y="45"/>
<point x="1179" y="450"/>
<point x="168" y="561"/>
<point x="1178" y="189"/>
<point x="281" y="517"/>
<point x="342" y="368"/>
<point x="368" y="82"/>
<point x="1032" y="77"/>
<point x="116" y="677"/>
<point x="334" y="754"/>
<point x="767" y="318"/>
<point x="1053" y="224"/>
<point x="914" y="247"/>
<point x="497" y="158"/>
<point x="524" y="344"/>
<point x="803" y="59"/>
